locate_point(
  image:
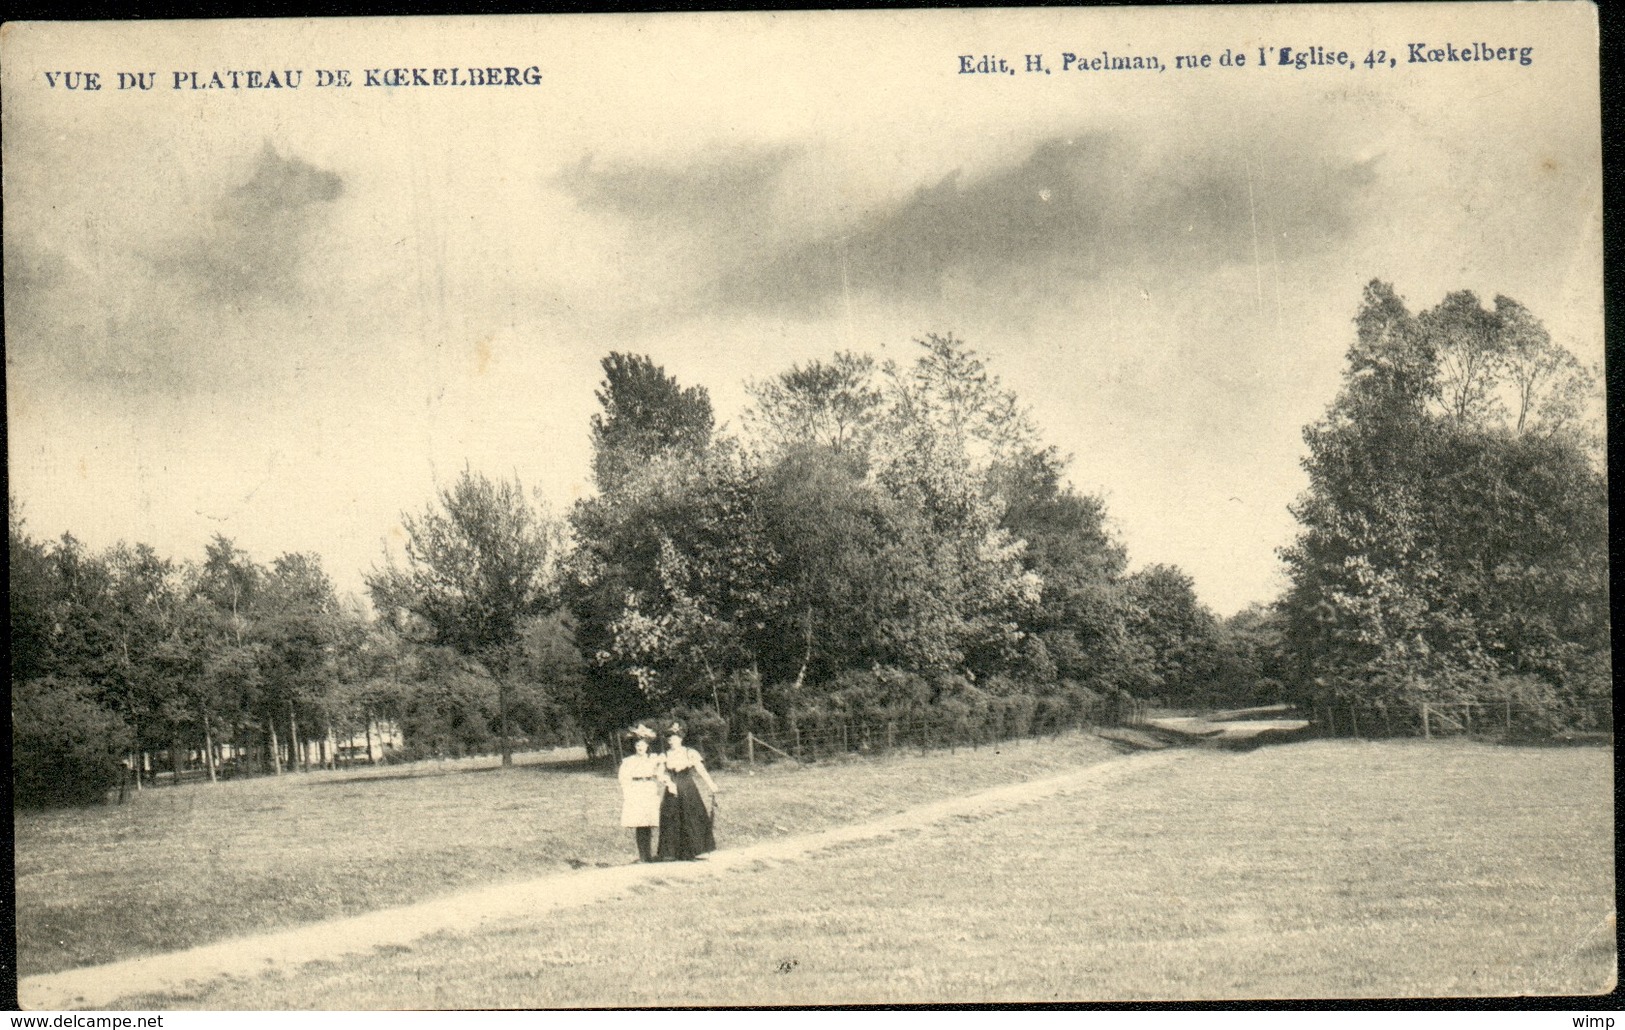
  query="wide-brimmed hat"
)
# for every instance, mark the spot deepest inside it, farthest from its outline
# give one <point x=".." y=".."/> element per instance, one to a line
<point x="675" y="726"/>
<point x="640" y="732"/>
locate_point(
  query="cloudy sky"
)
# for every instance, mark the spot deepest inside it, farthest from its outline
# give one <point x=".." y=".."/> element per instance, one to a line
<point x="289" y="315"/>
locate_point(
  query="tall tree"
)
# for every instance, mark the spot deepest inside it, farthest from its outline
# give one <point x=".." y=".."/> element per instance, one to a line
<point x="949" y="398"/>
<point x="250" y="656"/>
<point x="1251" y="667"/>
<point x="554" y="669"/>
<point x="858" y="579"/>
<point x="301" y="627"/>
<point x="151" y="633"/>
<point x="1550" y="389"/>
<point x="665" y="555"/>
<point x="645" y="414"/>
<point x="1445" y="543"/>
<point x="1471" y="351"/>
<point x="1180" y="634"/>
<point x="950" y="424"/>
<point x="477" y="568"/>
<point x="833" y="404"/>
<point x="33" y="592"/>
<point x="669" y="569"/>
<point x="1079" y="628"/>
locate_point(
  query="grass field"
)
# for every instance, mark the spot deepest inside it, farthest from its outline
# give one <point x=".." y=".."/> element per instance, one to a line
<point x="178" y="867"/>
<point x="1324" y="869"/>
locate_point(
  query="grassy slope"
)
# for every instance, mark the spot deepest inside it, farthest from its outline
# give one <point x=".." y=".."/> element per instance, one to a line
<point x="181" y="867"/>
<point x="1329" y="869"/>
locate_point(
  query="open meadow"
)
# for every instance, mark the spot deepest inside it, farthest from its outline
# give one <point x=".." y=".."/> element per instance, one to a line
<point x="1325" y="869"/>
<point x="831" y="387"/>
<point x="178" y="867"/>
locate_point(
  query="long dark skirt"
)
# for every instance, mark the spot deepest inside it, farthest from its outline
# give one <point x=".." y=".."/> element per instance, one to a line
<point x="685" y="825"/>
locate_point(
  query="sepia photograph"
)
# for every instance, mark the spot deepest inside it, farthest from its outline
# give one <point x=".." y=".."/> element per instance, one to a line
<point x="701" y="510"/>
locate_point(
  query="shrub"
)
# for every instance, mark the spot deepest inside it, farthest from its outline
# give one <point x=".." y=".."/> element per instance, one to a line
<point x="757" y="719"/>
<point x="960" y="710"/>
<point x="1114" y="709"/>
<point x="813" y="716"/>
<point x="1068" y="703"/>
<point x="877" y="696"/>
<point x="905" y="694"/>
<point x="1015" y="714"/>
<point x="1536" y="710"/>
<point x="1588" y="682"/>
<point x="1012" y="706"/>
<point x="450" y="714"/>
<point x="65" y="748"/>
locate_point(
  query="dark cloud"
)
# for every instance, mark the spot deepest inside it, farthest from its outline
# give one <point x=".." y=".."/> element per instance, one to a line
<point x="1072" y="208"/>
<point x="254" y="242"/>
<point x="36" y="276"/>
<point x="66" y="323"/>
<point x="34" y="271"/>
<point x="172" y="300"/>
<point x="284" y="184"/>
<point x="716" y="191"/>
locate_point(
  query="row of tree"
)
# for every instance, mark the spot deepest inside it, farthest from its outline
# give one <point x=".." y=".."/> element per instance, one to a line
<point x="871" y="519"/>
<point x="880" y="540"/>
<point x="123" y="656"/>
<point x="874" y="519"/>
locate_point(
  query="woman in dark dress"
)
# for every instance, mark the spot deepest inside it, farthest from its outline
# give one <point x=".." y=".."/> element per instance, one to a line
<point x="685" y="818"/>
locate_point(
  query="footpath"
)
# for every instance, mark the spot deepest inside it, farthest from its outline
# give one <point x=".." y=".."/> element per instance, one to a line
<point x="1245" y="727"/>
<point x="98" y="987"/>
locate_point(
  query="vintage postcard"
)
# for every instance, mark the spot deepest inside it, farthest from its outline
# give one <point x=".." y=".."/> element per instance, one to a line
<point x="1062" y="505"/>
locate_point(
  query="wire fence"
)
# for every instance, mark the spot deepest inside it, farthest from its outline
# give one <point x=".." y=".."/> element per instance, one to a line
<point x="838" y="737"/>
<point x="1504" y="720"/>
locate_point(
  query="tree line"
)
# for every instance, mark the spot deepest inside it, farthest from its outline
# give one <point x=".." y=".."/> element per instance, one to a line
<point x="122" y="657"/>
<point x="878" y="540"/>
<point x="1454" y="535"/>
<point x="881" y="540"/>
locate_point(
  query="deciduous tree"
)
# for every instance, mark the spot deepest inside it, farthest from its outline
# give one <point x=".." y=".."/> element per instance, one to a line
<point x="1446" y="542"/>
<point x="477" y="567"/>
<point x="644" y="414"/>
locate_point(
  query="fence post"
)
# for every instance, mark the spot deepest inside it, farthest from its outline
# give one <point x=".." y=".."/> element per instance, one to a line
<point x="1426" y="731"/>
<point x="750" y="747"/>
<point x="891" y="734"/>
<point x="1509" y="717"/>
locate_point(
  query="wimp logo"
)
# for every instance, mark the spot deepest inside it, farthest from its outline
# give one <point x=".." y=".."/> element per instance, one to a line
<point x="1602" y="1022"/>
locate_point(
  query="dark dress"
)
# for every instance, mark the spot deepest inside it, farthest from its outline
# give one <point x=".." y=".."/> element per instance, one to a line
<point x="685" y="825"/>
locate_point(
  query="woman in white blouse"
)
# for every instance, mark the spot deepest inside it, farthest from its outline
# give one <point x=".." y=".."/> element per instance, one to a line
<point x="643" y="784"/>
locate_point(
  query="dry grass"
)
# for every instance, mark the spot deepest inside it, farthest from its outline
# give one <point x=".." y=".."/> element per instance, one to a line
<point x="184" y="866"/>
<point x="1328" y="869"/>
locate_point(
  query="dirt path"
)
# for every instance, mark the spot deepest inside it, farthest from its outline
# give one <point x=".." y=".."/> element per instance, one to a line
<point x="1246" y="724"/>
<point x="100" y="986"/>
